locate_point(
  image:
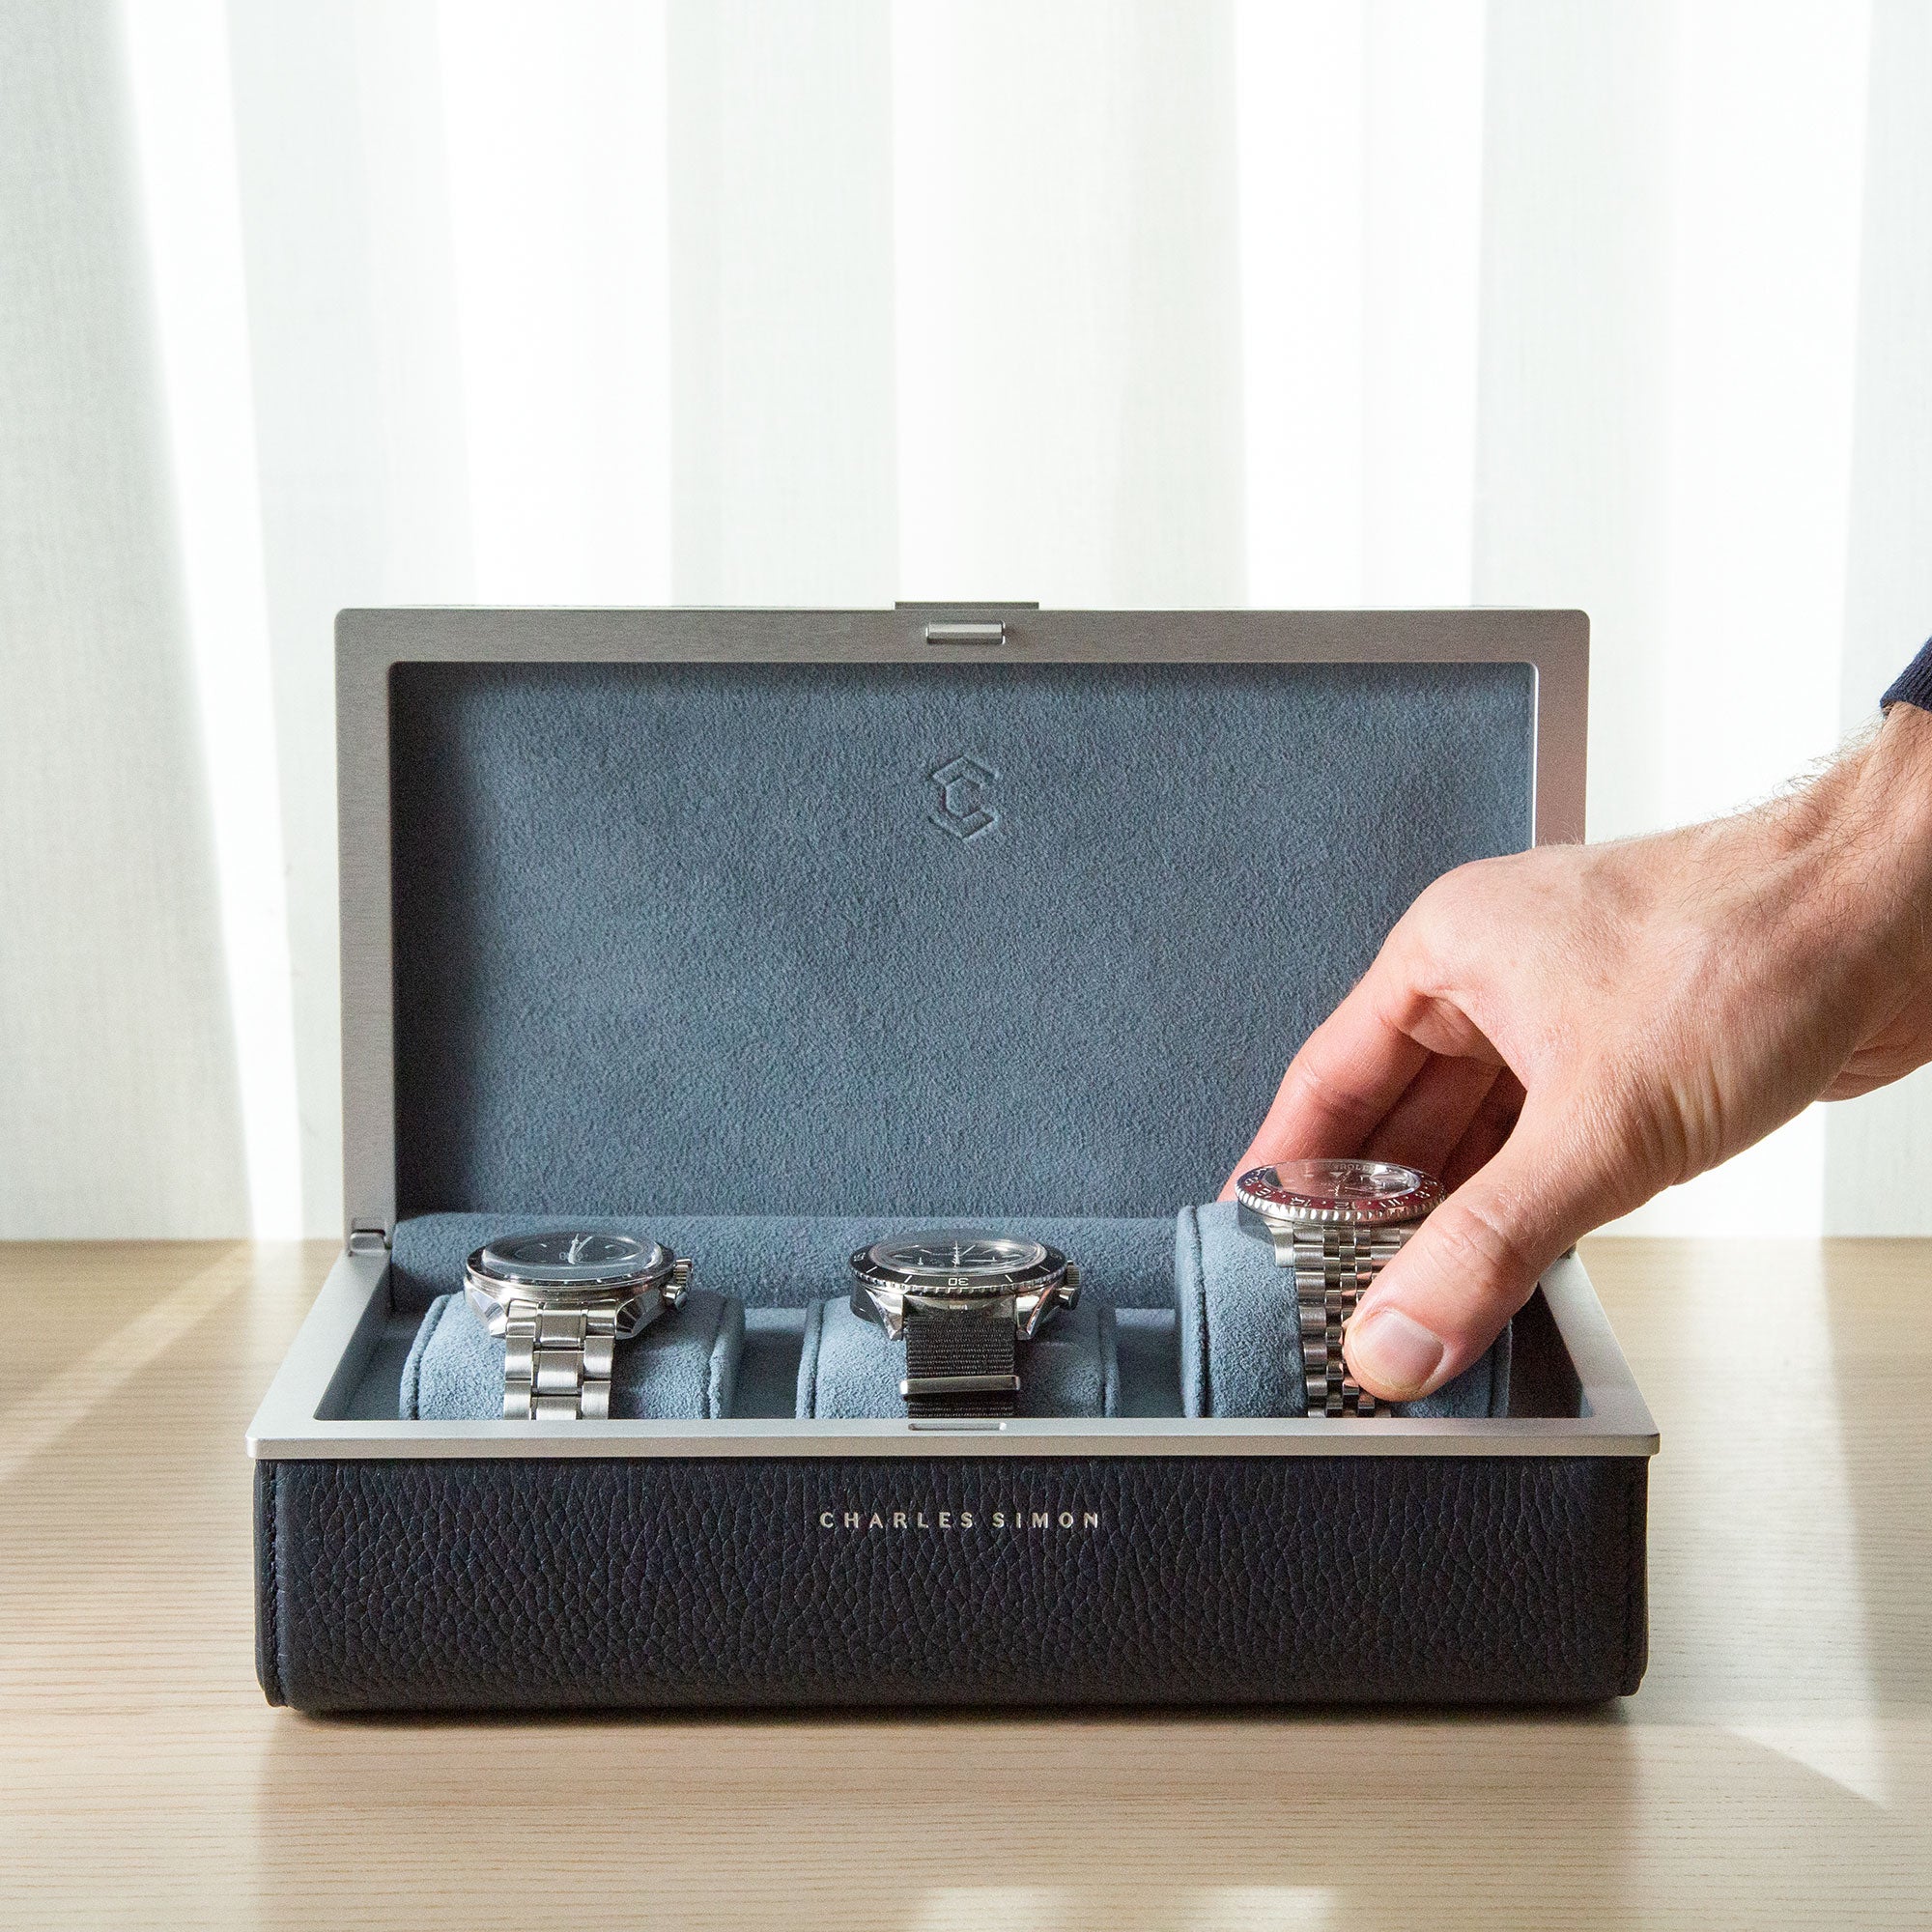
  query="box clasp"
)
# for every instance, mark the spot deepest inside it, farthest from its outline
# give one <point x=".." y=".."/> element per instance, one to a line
<point x="966" y="634"/>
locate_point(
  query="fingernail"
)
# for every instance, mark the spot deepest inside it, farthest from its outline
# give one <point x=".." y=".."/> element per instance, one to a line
<point x="1394" y="1351"/>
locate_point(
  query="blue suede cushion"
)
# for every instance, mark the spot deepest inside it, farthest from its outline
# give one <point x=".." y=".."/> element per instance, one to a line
<point x="849" y="1368"/>
<point x="683" y="1366"/>
<point x="783" y="1260"/>
<point x="1240" y="1344"/>
<point x="918" y="939"/>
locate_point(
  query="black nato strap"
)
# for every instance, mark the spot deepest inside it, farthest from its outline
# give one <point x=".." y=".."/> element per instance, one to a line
<point x="961" y="1364"/>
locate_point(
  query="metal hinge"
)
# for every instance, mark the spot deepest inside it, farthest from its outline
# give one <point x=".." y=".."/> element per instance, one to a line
<point x="368" y="1237"/>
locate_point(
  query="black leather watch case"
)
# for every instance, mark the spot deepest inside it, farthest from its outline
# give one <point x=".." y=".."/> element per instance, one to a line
<point x="775" y="920"/>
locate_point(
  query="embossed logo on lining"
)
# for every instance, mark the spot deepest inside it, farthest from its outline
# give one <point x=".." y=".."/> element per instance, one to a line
<point x="964" y="811"/>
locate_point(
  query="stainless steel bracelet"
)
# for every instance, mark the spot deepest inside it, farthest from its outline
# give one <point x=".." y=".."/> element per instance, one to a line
<point x="1332" y="1266"/>
<point x="556" y="1362"/>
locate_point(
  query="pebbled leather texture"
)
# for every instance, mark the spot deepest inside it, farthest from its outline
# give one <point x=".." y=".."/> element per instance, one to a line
<point x="526" y="1583"/>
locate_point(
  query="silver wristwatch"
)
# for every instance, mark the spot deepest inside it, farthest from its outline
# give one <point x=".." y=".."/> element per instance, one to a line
<point x="561" y="1303"/>
<point x="964" y="1303"/>
<point x="1335" y="1224"/>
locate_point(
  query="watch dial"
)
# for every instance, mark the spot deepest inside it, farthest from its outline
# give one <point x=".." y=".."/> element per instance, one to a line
<point x="966" y="1253"/>
<point x="1346" y="1180"/>
<point x="564" y="1259"/>
<point x="1362" y="1193"/>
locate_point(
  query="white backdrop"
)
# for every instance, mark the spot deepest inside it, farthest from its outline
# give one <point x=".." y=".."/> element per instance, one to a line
<point x="1206" y="302"/>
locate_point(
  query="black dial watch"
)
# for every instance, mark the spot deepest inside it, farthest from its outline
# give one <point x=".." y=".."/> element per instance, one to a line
<point x="966" y="1303"/>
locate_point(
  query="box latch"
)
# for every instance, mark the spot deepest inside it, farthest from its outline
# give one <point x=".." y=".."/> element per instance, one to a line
<point x="368" y="1237"/>
<point x="966" y="634"/>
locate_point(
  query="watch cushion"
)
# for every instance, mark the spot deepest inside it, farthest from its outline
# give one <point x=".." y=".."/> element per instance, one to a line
<point x="684" y="1367"/>
<point x="850" y="1371"/>
<point x="779" y="1261"/>
<point x="1240" y="1338"/>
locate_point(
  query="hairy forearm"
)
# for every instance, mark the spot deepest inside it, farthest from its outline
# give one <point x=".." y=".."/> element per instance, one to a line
<point x="1866" y="834"/>
<point x="1850" y="856"/>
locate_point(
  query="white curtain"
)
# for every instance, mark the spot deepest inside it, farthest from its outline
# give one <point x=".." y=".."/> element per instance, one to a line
<point x="1621" y="303"/>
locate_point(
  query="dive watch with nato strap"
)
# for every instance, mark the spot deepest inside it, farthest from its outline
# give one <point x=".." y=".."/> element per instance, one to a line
<point x="965" y="1303"/>
<point x="561" y="1303"/>
<point x="1335" y="1225"/>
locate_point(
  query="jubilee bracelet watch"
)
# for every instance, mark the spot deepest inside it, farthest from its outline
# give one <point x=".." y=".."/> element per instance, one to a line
<point x="1335" y="1224"/>
<point x="561" y="1303"/>
<point x="966" y="1303"/>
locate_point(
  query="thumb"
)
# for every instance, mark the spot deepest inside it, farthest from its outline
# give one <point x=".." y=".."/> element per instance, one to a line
<point x="1468" y="1267"/>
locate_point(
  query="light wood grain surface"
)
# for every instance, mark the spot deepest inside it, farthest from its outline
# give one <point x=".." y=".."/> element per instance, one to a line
<point x="1777" y="1767"/>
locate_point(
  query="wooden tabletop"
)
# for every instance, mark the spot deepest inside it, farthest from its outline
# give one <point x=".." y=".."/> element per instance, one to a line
<point x="1776" y="1769"/>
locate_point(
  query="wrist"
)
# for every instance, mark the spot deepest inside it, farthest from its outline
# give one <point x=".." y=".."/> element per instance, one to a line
<point x="1898" y="762"/>
<point x="1868" y="831"/>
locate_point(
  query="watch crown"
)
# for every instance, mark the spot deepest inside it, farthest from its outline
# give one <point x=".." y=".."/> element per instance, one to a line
<point x="679" y="1281"/>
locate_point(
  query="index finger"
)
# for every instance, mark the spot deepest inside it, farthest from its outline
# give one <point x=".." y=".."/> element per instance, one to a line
<point x="1352" y="1069"/>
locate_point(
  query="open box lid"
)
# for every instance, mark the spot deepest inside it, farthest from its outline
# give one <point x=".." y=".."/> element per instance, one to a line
<point x="985" y="911"/>
<point x="956" y="911"/>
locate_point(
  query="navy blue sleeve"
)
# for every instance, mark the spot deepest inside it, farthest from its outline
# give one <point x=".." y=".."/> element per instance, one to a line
<point x="1913" y="685"/>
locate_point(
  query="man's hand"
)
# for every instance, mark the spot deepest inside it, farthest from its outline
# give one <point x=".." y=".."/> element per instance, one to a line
<point x="1562" y="1034"/>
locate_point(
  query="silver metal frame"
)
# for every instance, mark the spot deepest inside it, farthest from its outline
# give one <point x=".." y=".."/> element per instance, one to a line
<point x="335" y="1341"/>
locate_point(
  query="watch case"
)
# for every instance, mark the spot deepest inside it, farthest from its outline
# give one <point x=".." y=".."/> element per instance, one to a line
<point x="802" y="923"/>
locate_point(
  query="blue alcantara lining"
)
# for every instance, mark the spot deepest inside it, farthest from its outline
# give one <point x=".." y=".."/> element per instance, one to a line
<point x="918" y="939"/>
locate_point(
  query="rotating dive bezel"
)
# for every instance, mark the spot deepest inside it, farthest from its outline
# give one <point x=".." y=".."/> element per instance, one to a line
<point x="1027" y="1278"/>
<point x="1338" y="1192"/>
